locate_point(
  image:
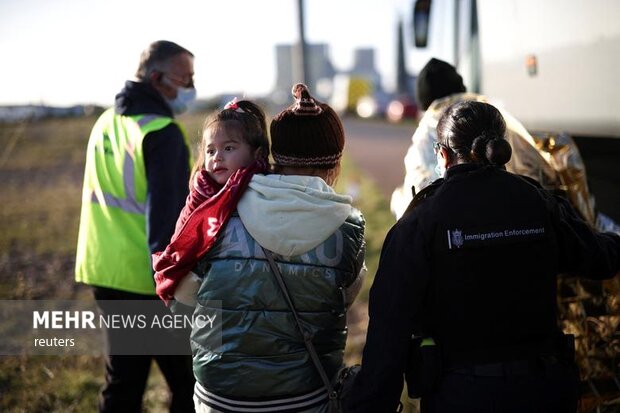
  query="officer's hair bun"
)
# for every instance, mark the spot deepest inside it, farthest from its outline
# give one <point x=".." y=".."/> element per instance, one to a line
<point x="475" y="131"/>
<point x="488" y="148"/>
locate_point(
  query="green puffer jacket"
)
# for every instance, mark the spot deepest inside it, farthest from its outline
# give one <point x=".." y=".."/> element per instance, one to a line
<point x="258" y="353"/>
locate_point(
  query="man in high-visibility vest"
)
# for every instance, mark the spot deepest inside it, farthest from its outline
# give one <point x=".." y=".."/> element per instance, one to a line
<point x="135" y="185"/>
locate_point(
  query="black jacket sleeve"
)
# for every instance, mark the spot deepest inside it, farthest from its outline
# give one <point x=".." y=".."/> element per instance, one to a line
<point x="396" y="300"/>
<point x="583" y="251"/>
<point x="166" y="159"/>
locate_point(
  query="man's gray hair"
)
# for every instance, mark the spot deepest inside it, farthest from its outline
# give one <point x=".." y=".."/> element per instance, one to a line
<point x="156" y="57"/>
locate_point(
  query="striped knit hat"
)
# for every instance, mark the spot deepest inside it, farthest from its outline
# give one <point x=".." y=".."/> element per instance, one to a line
<point x="307" y="133"/>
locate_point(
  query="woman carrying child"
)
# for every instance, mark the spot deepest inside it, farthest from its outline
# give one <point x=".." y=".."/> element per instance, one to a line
<point x="258" y="361"/>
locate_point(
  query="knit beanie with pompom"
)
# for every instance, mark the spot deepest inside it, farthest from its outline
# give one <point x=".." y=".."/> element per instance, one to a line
<point x="307" y="134"/>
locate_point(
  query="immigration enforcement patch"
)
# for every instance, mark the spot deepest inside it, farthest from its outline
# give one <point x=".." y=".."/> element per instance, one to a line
<point x="458" y="238"/>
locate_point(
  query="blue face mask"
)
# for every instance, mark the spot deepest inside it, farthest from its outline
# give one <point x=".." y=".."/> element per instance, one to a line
<point x="439" y="170"/>
<point x="185" y="97"/>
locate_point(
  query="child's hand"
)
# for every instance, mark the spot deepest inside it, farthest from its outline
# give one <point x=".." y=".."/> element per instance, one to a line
<point x="188" y="288"/>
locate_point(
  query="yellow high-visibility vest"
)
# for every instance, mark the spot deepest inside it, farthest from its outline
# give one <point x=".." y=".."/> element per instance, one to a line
<point x="112" y="248"/>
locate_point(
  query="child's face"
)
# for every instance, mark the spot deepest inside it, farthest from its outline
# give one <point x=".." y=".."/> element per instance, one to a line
<point x="225" y="152"/>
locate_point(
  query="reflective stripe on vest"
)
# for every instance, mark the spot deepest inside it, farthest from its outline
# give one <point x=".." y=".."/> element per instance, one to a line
<point x="129" y="203"/>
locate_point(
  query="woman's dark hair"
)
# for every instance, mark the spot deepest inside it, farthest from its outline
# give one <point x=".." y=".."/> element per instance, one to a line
<point x="474" y="132"/>
<point x="250" y="120"/>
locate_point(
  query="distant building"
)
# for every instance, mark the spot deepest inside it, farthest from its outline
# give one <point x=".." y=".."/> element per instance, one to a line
<point x="341" y="88"/>
<point x="364" y="65"/>
<point x="359" y="82"/>
<point x="319" y="68"/>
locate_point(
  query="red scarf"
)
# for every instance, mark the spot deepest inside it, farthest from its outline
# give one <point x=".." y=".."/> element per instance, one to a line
<point x="208" y="207"/>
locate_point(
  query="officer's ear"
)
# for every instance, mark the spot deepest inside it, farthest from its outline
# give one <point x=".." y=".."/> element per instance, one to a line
<point x="157" y="81"/>
<point x="444" y="157"/>
<point x="156" y="78"/>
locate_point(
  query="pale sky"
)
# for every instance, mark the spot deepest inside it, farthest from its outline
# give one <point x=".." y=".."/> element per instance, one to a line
<point x="62" y="52"/>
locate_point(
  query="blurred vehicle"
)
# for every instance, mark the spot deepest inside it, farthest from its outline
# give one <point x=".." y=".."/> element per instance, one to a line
<point x="358" y="95"/>
<point x="373" y="106"/>
<point x="554" y="64"/>
<point x="348" y="90"/>
<point x="400" y="108"/>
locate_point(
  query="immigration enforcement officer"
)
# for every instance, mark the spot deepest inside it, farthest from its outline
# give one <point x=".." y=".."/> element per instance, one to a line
<point x="135" y="185"/>
<point x="472" y="266"/>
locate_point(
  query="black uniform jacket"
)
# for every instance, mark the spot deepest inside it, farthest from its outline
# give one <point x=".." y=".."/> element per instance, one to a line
<point x="474" y="265"/>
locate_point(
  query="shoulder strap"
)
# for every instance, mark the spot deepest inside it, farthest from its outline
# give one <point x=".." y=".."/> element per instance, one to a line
<point x="307" y="337"/>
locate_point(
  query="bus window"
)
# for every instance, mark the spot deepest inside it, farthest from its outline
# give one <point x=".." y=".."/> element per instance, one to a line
<point x="421" y="18"/>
